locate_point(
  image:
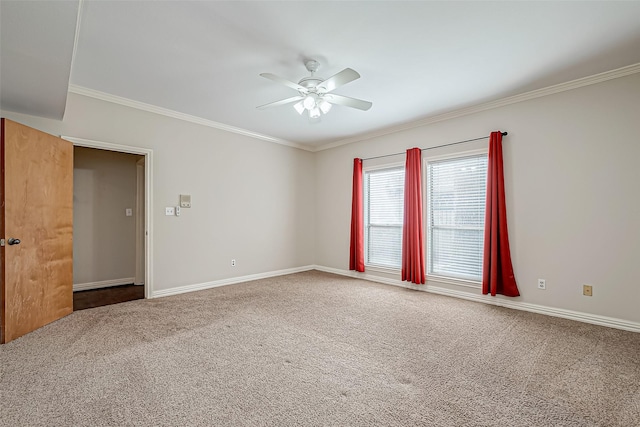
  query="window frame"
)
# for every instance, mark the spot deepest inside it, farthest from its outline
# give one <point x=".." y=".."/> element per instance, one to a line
<point x="365" y="170"/>
<point x="426" y="215"/>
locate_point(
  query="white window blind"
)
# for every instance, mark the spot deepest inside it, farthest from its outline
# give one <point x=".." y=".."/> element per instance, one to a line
<point x="455" y="216"/>
<point x="383" y="215"/>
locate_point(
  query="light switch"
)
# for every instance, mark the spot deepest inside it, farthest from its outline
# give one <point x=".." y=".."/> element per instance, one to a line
<point x="128" y="212"/>
<point x="185" y="200"/>
<point x="169" y="211"/>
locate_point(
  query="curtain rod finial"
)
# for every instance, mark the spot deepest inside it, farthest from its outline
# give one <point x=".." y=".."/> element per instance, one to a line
<point x="505" y="133"/>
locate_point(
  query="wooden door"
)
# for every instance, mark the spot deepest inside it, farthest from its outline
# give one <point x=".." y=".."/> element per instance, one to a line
<point x="36" y="190"/>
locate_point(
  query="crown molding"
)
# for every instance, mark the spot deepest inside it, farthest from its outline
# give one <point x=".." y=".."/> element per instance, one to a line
<point x="91" y="93"/>
<point x="550" y="90"/>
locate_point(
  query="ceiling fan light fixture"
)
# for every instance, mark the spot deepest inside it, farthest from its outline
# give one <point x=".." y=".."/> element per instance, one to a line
<point x="310" y="101"/>
<point x="324" y="106"/>
<point x="314" y="113"/>
<point x="299" y="107"/>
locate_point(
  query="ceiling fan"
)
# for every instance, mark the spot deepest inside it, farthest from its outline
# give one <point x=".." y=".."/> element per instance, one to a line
<point x="314" y="93"/>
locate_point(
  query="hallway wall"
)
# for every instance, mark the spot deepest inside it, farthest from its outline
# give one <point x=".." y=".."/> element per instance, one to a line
<point x="104" y="247"/>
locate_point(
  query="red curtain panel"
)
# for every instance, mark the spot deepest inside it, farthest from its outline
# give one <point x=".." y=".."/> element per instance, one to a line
<point x="412" y="236"/>
<point x="497" y="270"/>
<point x="356" y="251"/>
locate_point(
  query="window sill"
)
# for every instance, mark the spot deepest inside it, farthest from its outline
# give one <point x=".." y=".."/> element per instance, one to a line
<point x="429" y="278"/>
<point x="379" y="269"/>
<point x="455" y="282"/>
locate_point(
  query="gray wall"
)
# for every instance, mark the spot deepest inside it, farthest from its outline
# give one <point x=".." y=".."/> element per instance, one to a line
<point x="573" y="204"/>
<point x="251" y="200"/>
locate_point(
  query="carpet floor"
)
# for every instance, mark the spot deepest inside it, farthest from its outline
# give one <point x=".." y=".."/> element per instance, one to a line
<point x="316" y="349"/>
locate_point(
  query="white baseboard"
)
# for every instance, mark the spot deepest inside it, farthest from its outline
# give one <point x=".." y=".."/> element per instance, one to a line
<point x="230" y="281"/>
<point x="102" y="284"/>
<point x="503" y="302"/>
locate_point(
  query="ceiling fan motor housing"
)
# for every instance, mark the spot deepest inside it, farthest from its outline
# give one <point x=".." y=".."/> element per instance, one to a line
<point x="310" y="82"/>
<point x="312" y="65"/>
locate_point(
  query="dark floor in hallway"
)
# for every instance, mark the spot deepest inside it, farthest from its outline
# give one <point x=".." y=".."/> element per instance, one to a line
<point x="106" y="296"/>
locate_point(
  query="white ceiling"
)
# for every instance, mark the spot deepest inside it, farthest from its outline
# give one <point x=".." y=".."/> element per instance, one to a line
<point x="36" y="47"/>
<point x="417" y="59"/>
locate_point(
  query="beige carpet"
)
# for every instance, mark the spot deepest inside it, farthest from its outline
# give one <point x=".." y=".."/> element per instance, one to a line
<point x="315" y="349"/>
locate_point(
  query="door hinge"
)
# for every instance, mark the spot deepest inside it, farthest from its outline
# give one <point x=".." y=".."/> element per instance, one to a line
<point x="1" y="242"/>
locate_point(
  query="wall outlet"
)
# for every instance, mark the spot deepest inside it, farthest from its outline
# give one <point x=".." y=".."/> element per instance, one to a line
<point x="587" y="290"/>
<point x="542" y="284"/>
<point x="169" y="211"/>
<point x="233" y="263"/>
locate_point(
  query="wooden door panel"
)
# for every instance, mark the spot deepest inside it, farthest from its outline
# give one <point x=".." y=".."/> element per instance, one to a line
<point x="37" y="274"/>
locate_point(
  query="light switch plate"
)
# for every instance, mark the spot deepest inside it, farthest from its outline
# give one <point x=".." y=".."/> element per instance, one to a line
<point x="185" y="200"/>
<point x="128" y="212"/>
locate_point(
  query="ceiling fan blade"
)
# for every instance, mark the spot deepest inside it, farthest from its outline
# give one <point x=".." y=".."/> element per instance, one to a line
<point x="343" y="77"/>
<point x="282" y="102"/>
<point x="285" y="82"/>
<point x="348" y="102"/>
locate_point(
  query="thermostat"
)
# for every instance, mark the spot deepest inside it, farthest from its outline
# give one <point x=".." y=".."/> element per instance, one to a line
<point x="185" y="200"/>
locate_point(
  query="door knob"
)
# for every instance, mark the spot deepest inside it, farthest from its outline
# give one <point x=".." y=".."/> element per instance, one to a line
<point x="13" y="241"/>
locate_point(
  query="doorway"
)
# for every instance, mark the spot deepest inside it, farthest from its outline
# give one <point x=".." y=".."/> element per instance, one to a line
<point x="105" y="227"/>
<point x="112" y="223"/>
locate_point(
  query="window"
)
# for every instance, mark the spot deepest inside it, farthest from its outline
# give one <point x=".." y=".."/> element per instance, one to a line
<point x="456" y="192"/>
<point x="383" y="215"/>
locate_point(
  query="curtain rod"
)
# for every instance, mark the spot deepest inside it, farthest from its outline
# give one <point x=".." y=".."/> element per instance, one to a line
<point x="437" y="146"/>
